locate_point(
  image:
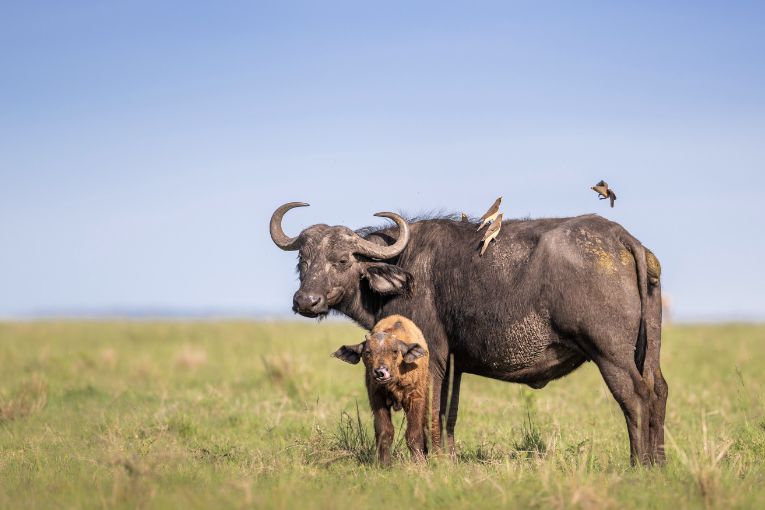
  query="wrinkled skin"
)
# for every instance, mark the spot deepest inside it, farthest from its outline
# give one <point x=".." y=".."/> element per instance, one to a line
<point x="549" y="295"/>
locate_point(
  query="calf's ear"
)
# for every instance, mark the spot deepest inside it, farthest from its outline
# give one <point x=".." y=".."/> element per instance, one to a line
<point x="411" y="351"/>
<point x="349" y="353"/>
<point x="387" y="279"/>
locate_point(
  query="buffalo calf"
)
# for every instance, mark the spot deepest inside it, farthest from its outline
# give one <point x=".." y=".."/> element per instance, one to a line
<point x="395" y="355"/>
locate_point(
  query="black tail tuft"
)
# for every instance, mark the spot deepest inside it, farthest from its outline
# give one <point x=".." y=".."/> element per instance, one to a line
<point x="641" y="346"/>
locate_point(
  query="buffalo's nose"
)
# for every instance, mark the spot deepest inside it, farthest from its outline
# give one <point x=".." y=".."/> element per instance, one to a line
<point x="305" y="302"/>
<point x="380" y="373"/>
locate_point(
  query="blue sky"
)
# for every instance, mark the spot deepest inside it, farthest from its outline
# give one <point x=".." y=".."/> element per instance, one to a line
<point x="144" y="145"/>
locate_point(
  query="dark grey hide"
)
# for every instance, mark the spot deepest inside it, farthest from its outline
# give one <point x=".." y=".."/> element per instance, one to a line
<point x="549" y="295"/>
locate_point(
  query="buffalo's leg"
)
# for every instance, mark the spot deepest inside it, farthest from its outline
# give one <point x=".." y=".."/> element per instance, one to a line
<point x="631" y="392"/>
<point x="383" y="427"/>
<point x="658" y="399"/>
<point x="449" y="405"/>
<point x="657" y="385"/>
<point x="415" y="429"/>
<point x="451" y="410"/>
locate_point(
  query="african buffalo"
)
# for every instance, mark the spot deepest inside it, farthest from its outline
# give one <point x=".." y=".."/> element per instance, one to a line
<point x="549" y="295"/>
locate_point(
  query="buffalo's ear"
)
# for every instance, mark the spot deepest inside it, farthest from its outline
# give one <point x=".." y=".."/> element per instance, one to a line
<point x="387" y="279"/>
<point x="349" y="353"/>
<point x="411" y="351"/>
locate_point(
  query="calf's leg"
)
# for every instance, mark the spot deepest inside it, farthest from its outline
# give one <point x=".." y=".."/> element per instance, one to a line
<point x="436" y="382"/>
<point x="383" y="427"/>
<point x="415" y="428"/>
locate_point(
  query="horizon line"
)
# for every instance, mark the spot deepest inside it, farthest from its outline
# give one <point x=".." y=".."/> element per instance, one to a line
<point x="251" y="314"/>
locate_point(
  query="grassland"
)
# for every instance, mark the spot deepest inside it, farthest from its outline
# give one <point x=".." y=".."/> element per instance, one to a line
<point x="238" y="415"/>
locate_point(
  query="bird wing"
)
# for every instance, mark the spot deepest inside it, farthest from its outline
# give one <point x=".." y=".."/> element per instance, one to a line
<point x="601" y="190"/>
<point x="488" y="214"/>
<point x="491" y="233"/>
<point x="493" y="228"/>
<point x="493" y="209"/>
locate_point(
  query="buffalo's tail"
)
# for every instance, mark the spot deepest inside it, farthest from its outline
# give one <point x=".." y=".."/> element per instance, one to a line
<point x="641" y="346"/>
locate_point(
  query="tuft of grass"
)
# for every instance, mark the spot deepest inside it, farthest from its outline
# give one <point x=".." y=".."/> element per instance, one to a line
<point x="283" y="373"/>
<point x="704" y="463"/>
<point x="27" y="400"/>
<point x="108" y="357"/>
<point x="531" y="443"/>
<point x="354" y="439"/>
<point x="183" y="426"/>
<point x="220" y="453"/>
<point x="191" y="358"/>
<point x="485" y="452"/>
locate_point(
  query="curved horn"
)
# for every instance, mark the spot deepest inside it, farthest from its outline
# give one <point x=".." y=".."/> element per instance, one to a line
<point x="278" y="236"/>
<point x="376" y="251"/>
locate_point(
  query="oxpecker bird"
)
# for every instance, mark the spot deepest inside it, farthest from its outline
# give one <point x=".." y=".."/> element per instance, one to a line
<point x="464" y="218"/>
<point x="604" y="191"/>
<point x="491" y="214"/>
<point x="491" y="233"/>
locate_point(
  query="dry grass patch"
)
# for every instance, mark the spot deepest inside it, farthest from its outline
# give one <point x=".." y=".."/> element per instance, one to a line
<point x="28" y="399"/>
<point x="191" y="358"/>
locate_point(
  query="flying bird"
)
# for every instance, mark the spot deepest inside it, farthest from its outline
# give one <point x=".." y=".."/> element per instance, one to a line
<point x="464" y="218"/>
<point x="491" y="214"/>
<point x="491" y="233"/>
<point x="604" y="191"/>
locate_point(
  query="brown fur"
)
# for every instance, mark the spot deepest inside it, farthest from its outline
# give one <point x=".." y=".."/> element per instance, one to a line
<point x="397" y="344"/>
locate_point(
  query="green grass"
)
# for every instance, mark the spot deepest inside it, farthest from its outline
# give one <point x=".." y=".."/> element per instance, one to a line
<point x="234" y="414"/>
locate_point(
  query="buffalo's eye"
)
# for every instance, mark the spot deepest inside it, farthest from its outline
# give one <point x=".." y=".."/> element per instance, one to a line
<point x="343" y="262"/>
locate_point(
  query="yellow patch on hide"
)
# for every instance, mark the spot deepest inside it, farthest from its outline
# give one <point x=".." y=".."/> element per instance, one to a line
<point x="625" y="257"/>
<point x="654" y="267"/>
<point x="593" y="245"/>
<point x="606" y="261"/>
